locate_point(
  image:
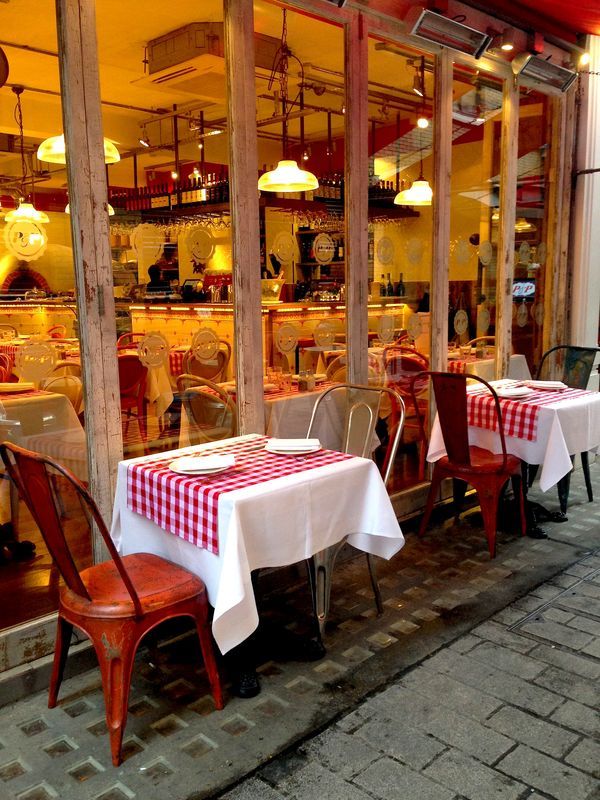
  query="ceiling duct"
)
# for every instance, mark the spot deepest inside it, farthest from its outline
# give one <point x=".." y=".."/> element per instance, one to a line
<point x="446" y="32"/>
<point x="538" y="69"/>
<point x="191" y="61"/>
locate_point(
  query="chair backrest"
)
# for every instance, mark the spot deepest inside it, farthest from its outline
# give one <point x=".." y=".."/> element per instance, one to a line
<point x="574" y="362"/>
<point x="4" y="375"/>
<point x="337" y="370"/>
<point x="450" y="390"/>
<point x="6" y="362"/>
<point x="57" y="332"/>
<point x="8" y="331"/>
<point x="67" y="366"/>
<point x="212" y="369"/>
<point x="31" y="474"/>
<point x="355" y="409"/>
<point x="490" y="340"/>
<point x="128" y="340"/>
<point x="132" y="375"/>
<point x="211" y="412"/>
<point x="68" y="385"/>
<point x="400" y="364"/>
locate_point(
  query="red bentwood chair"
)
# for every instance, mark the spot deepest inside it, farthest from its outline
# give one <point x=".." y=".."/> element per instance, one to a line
<point x="132" y="387"/>
<point x="487" y="472"/>
<point x="114" y="603"/>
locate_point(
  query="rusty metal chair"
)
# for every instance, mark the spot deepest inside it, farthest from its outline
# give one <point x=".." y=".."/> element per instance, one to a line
<point x="485" y="471"/>
<point x="114" y="603"/>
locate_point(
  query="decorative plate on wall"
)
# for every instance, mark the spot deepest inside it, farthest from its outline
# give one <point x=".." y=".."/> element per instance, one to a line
<point x="385" y="250"/>
<point x="414" y="250"/>
<point x="461" y="322"/>
<point x="153" y="349"/>
<point x="324" y="334"/>
<point x="486" y="253"/>
<point x="483" y="321"/>
<point x="324" y="248"/>
<point x="147" y="241"/>
<point x="524" y="253"/>
<point x="522" y="314"/>
<point x="25" y="239"/>
<point x="385" y="328"/>
<point x="462" y="251"/>
<point x="284" y="247"/>
<point x="205" y="344"/>
<point x="200" y="243"/>
<point x="414" y="327"/>
<point x="286" y="338"/>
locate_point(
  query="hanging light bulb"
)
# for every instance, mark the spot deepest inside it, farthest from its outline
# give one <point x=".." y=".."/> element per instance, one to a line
<point x="423" y="122"/>
<point x="54" y="151"/>
<point x="417" y="88"/>
<point x="144" y="140"/>
<point x="174" y="175"/>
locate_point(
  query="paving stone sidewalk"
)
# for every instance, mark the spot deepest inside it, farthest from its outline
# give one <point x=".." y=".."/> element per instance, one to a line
<point x="507" y="711"/>
<point x="479" y="678"/>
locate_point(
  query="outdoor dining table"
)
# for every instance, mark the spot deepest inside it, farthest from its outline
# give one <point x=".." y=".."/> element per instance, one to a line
<point x="518" y="368"/>
<point x="269" y="510"/>
<point x="545" y="428"/>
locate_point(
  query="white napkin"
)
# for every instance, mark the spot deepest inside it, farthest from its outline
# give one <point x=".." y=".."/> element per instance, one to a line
<point x="294" y="444"/>
<point x="551" y="386"/>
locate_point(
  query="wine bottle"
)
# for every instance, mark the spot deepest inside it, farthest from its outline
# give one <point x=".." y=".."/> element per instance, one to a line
<point x="389" y="289"/>
<point x="401" y="288"/>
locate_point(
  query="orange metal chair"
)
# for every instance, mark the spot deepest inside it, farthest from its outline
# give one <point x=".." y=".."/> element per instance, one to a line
<point x="132" y="382"/>
<point x="114" y="603"/>
<point x="487" y="472"/>
<point x="57" y="332"/>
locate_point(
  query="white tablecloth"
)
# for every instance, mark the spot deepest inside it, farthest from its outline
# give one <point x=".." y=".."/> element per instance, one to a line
<point x="564" y="428"/>
<point x="518" y="369"/>
<point x="275" y="523"/>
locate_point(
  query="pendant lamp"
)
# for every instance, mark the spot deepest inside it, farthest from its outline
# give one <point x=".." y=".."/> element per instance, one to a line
<point x="419" y="194"/>
<point x="287" y="176"/>
<point x="54" y="151"/>
<point x="26" y="211"/>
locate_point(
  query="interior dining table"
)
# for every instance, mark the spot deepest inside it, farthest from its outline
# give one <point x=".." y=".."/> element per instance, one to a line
<point x="544" y="428"/>
<point x="268" y="510"/>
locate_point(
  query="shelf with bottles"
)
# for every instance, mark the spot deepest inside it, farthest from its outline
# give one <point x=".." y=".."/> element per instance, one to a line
<point x="389" y="288"/>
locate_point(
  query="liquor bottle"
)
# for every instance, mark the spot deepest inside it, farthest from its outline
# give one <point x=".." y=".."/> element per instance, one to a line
<point x="401" y="288"/>
<point x="389" y="288"/>
<point x="341" y="248"/>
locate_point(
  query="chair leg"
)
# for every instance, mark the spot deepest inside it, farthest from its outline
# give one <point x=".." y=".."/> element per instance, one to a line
<point x="530" y="471"/>
<point x="375" y="584"/>
<point x="488" y="501"/>
<point x="519" y="493"/>
<point x="116" y="652"/>
<point x="64" y="631"/>
<point x="208" y="654"/>
<point x="563" y="487"/>
<point x="320" y="567"/>
<point x="459" y="489"/>
<point x="585" y="463"/>
<point x="433" y="489"/>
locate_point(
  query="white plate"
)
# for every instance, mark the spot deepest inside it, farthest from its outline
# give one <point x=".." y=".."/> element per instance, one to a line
<point x="548" y="386"/>
<point x="202" y="465"/>
<point x="15" y="388"/>
<point x="514" y="393"/>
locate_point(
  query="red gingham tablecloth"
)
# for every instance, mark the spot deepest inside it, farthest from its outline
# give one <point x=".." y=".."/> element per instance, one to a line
<point x="279" y="394"/>
<point x="519" y="417"/>
<point x="176" y="362"/>
<point x="4" y="396"/>
<point x="459" y="365"/>
<point x="187" y="506"/>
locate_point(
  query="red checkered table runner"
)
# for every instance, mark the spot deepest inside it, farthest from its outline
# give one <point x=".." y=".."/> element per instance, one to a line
<point x="176" y="361"/>
<point x="279" y="394"/>
<point x="4" y="396"/>
<point x="519" y="417"/>
<point x="187" y="506"/>
<point x="459" y="365"/>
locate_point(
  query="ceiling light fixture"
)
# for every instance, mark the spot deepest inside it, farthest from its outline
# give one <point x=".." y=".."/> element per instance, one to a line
<point x="287" y="177"/>
<point x="144" y="140"/>
<point x="423" y="122"/>
<point x="417" y="88"/>
<point x="420" y="192"/>
<point x="538" y="69"/>
<point x="54" y="151"/>
<point x="447" y="32"/>
<point x="24" y="211"/>
<point x="507" y="41"/>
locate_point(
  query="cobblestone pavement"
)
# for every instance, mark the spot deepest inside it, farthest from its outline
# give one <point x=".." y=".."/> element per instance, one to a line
<point x="480" y="682"/>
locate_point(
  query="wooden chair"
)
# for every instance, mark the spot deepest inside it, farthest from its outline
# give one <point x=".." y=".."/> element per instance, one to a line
<point x="213" y="369"/>
<point x="129" y="341"/>
<point x="67" y="366"/>
<point x="466" y="464"/>
<point x="132" y="384"/>
<point x="489" y="340"/>
<point x="358" y="409"/>
<point x="210" y="411"/>
<point x="57" y="332"/>
<point x="68" y="385"/>
<point x="573" y="365"/>
<point x="114" y="603"/>
<point x="337" y="370"/>
<point x="401" y="363"/>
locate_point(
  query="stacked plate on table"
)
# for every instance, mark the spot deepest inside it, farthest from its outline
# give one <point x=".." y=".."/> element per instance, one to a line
<point x="293" y="447"/>
<point x="514" y="392"/>
<point x="14" y="388"/>
<point x="547" y="386"/>
<point x="202" y="465"/>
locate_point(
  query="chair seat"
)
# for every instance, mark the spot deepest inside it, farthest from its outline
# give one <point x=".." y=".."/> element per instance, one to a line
<point x="482" y="461"/>
<point x="157" y="581"/>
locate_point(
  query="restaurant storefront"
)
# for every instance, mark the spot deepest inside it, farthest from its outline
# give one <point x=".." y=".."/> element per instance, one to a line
<point x="441" y="215"/>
